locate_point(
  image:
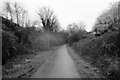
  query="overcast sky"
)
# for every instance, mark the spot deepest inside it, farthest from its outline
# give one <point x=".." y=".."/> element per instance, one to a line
<point x="68" y="11"/>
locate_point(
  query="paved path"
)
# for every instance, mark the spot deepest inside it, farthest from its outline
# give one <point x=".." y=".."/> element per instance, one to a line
<point x="60" y="65"/>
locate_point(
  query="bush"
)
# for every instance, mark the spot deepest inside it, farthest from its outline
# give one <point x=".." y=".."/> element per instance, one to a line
<point x="76" y="36"/>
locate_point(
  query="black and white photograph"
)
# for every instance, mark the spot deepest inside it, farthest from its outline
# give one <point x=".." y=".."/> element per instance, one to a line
<point x="60" y="39"/>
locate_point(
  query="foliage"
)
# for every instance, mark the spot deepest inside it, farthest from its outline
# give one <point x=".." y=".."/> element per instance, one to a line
<point x="105" y="22"/>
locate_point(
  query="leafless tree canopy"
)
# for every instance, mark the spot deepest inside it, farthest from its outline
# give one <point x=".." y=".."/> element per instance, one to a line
<point x="48" y="19"/>
<point x="15" y="13"/>
<point x="8" y="10"/>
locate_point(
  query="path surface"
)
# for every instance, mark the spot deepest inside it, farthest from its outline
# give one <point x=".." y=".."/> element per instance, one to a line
<point x="60" y="65"/>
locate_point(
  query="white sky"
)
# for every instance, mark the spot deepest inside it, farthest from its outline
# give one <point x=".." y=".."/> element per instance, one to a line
<point x="68" y="11"/>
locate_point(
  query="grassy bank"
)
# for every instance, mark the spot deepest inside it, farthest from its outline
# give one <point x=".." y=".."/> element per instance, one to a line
<point x="102" y="52"/>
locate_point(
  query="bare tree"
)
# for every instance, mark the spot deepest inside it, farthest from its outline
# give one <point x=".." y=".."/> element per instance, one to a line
<point x="81" y="26"/>
<point x="28" y="23"/>
<point x="17" y="11"/>
<point x="70" y="28"/>
<point x="23" y="15"/>
<point x="8" y="10"/>
<point x="14" y="12"/>
<point x="20" y="14"/>
<point x="48" y="19"/>
<point x="74" y="27"/>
